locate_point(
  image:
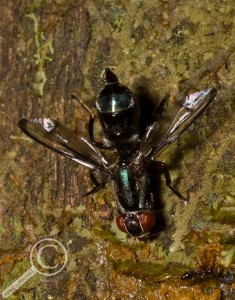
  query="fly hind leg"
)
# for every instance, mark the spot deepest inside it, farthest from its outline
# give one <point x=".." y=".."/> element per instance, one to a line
<point x="97" y="185"/>
<point x="162" y="168"/>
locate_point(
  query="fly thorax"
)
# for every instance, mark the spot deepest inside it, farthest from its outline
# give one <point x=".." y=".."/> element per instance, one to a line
<point x="118" y="111"/>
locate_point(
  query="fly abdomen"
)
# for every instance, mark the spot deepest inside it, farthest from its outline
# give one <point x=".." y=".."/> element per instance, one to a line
<point x="127" y="188"/>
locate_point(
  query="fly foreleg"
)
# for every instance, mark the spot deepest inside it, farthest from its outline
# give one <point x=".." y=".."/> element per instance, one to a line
<point x="91" y="134"/>
<point x="91" y="125"/>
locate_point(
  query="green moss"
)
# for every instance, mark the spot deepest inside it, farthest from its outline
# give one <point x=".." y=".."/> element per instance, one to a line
<point x="18" y="270"/>
<point x="228" y="255"/>
<point x="162" y="47"/>
<point x="1" y="229"/>
<point x="43" y="51"/>
<point x="156" y="271"/>
<point x="17" y="226"/>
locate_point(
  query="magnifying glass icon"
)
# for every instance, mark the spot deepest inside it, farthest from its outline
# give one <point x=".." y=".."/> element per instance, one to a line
<point x="59" y="256"/>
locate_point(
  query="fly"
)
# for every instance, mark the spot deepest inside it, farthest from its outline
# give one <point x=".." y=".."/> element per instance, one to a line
<point x="119" y="115"/>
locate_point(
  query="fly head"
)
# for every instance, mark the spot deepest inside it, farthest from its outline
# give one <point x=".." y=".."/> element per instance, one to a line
<point x="137" y="224"/>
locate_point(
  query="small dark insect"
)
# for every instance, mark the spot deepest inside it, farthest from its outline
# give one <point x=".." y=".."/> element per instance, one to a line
<point x="221" y="275"/>
<point x="119" y="116"/>
<point x="197" y="276"/>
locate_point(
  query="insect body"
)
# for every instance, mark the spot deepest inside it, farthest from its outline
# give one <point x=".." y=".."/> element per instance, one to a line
<point x="119" y="116"/>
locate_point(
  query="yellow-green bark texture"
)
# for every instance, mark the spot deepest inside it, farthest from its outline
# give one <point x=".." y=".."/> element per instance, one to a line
<point x="52" y="49"/>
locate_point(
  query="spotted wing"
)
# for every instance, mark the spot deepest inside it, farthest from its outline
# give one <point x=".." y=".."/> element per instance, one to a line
<point x="177" y="119"/>
<point x="60" y="139"/>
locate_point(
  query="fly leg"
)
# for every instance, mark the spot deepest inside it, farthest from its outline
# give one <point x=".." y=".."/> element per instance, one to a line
<point x="162" y="167"/>
<point x="91" y="134"/>
<point x="97" y="185"/>
<point x="91" y="126"/>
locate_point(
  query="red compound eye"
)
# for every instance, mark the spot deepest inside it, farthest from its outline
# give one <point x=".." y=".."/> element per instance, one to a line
<point x="147" y="220"/>
<point x="136" y="224"/>
<point x="121" y="223"/>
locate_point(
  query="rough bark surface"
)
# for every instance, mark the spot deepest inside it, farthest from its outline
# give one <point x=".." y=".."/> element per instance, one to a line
<point x="52" y="49"/>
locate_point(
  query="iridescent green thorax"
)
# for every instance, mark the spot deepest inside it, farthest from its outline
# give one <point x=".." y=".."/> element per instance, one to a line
<point x="114" y="98"/>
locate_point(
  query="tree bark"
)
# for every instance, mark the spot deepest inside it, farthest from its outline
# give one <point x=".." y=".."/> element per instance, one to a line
<point x="52" y="49"/>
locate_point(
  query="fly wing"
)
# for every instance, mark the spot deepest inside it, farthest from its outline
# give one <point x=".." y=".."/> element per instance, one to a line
<point x="177" y="119"/>
<point x="60" y="139"/>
